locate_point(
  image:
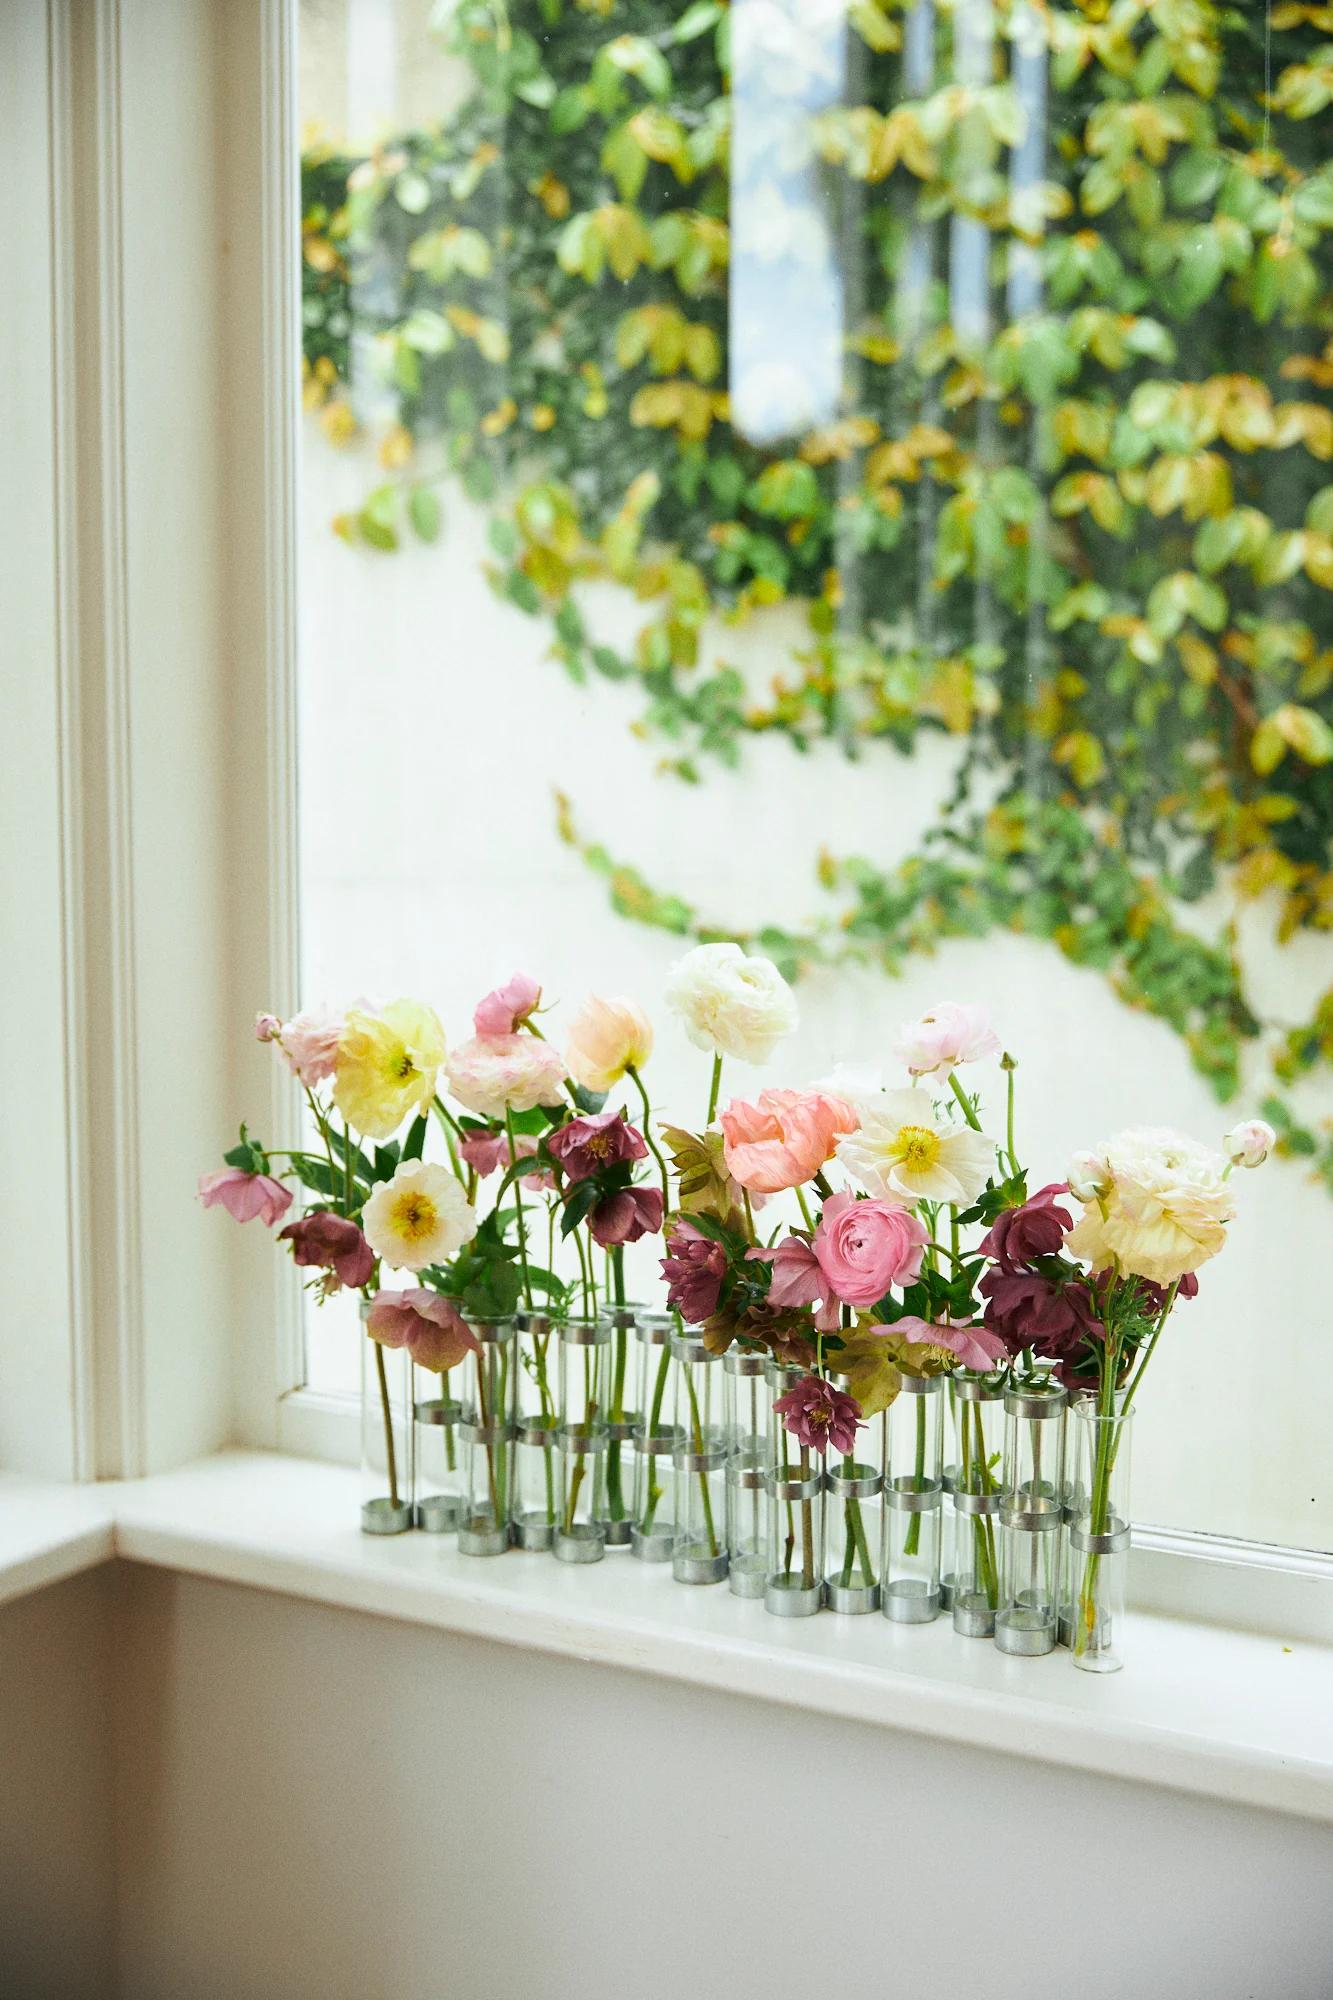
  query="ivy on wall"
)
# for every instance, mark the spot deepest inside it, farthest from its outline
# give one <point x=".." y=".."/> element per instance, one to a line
<point x="1091" y="539"/>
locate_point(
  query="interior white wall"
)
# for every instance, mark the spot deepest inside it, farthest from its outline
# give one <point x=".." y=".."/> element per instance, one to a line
<point x="57" y="1877"/>
<point x="322" y="1806"/>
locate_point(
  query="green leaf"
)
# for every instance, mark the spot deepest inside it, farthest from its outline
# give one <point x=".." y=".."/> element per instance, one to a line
<point x="423" y="508"/>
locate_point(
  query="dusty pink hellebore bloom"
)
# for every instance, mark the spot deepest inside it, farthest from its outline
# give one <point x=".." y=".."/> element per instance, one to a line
<point x="694" y="1268"/>
<point x="975" y="1346"/>
<point x="625" y="1216"/>
<point x="431" y="1328"/>
<point x="331" y="1243"/>
<point x="818" y="1415"/>
<point x="798" y="1280"/>
<point x="585" y="1145"/>
<point x="245" y="1196"/>
<point x="505" y="1009"/>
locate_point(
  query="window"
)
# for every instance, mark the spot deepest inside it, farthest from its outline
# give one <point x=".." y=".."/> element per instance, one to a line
<point x="855" y="476"/>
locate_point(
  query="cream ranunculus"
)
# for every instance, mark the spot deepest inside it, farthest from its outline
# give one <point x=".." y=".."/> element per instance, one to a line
<point x="1249" y="1143"/>
<point x="419" y="1217"/>
<point x="1165" y="1211"/>
<point x="905" y="1152"/>
<point x="386" y="1065"/>
<point x="493" y="1074"/>
<point x="732" y="1005"/>
<point x="608" y="1037"/>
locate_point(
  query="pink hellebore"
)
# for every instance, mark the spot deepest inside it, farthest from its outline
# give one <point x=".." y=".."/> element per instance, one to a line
<point x="505" y="1010"/>
<point x="818" y="1415"/>
<point x="331" y="1243"/>
<point x="783" y="1139"/>
<point x="948" y="1035"/>
<point x="245" y="1196"/>
<point x="798" y="1280"/>
<point x="865" y="1247"/>
<point x="975" y="1346"/>
<point x="485" y="1151"/>
<point x="625" y="1216"/>
<point x="585" y="1145"/>
<point x="431" y="1328"/>
<point x="694" y="1268"/>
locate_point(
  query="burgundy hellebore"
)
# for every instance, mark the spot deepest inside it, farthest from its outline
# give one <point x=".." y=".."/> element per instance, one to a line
<point x="694" y="1268"/>
<point x="585" y="1145"/>
<point x="818" y="1415"/>
<point x="625" y="1216"/>
<point x="1037" y="1229"/>
<point x="331" y="1243"/>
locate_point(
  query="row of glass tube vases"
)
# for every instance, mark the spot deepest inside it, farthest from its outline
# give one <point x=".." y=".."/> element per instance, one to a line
<point x="1001" y="1505"/>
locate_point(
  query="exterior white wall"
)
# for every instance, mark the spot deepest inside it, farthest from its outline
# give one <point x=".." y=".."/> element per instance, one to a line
<point x="315" y="1805"/>
<point x="432" y="731"/>
<point x="57" y="1877"/>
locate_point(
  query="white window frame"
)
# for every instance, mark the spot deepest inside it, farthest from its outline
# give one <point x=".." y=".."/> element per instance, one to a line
<point x="153" y="1279"/>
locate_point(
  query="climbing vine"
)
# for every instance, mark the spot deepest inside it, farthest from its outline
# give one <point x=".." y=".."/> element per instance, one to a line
<point x="1084" y="528"/>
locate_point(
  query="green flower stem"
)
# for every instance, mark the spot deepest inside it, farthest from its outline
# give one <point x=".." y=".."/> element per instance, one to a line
<point x="483" y="1411"/>
<point x="856" y="1545"/>
<point x="807" y="1529"/>
<point x="697" y="1428"/>
<point x="391" y="1456"/>
<point x="958" y="1091"/>
<point x="714" y="1089"/>
<point x="1010" y="1067"/>
<point x="654" y="1490"/>
<point x="615" y="1497"/>
<point x="805" y="1209"/>
<point x="518" y="1212"/>
<point x="749" y="1214"/>
<point x="589" y="1417"/>
<point x="652" y="1144"/>
<point x="912" y="1539"/>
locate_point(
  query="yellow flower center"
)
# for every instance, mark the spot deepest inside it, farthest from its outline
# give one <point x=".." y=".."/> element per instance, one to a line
<point x="916" y="1147"/>
<point x="414" y="1216"/>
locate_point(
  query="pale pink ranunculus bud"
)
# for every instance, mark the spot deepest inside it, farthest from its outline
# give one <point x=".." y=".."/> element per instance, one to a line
<point x="607" y="1038"/>
<point x="948" y="1035"/>
<point x="267" y="1027"/>
<point x="507" y="1007"/>
<point x="1089" y="1177"/>
<point x="1249" y="1143"/>
<point x="310" y="1043"/>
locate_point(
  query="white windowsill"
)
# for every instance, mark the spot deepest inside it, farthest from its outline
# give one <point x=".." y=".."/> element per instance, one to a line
<point x="1226" y="1714"/>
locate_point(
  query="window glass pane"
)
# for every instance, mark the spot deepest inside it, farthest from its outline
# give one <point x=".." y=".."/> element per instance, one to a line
<point x="855" y="477"/>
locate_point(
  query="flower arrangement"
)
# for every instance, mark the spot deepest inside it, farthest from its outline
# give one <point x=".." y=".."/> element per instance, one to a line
<point x="860" y="1237"/>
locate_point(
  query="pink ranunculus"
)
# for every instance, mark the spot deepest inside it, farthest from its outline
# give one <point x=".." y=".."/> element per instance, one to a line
<point x="694" y="1268"/>
<point x="484" y="1152"/>
<point x="818" y="1415"/>
<point x="975" y="1346"/>
<point x="506" y="1009"/>
<point x="431" y="1328"/>
<point x="865" y="1247"/>
<point x="331" y="1243"/>
<point x="310" y="1041"/>
<point x="495" y="1073"/>
<point x="267" y="1027"/>
<point x="625" y="1216"/>
<point x="798" y="1279"/>
<point x="948" y="1035"/>
<point x="585" y="1145"/>
<point x="784" y="1138"/>
<point x="245" y="1196"/>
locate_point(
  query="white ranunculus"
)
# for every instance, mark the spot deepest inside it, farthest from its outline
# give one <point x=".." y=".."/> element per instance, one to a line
<point x="731" y="1004"/>
<point x="419" y="1217"/>
<point x="1165" y="1211"/>
<point x="1249" y="1143"/>
<point x="905" y="1152"/>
